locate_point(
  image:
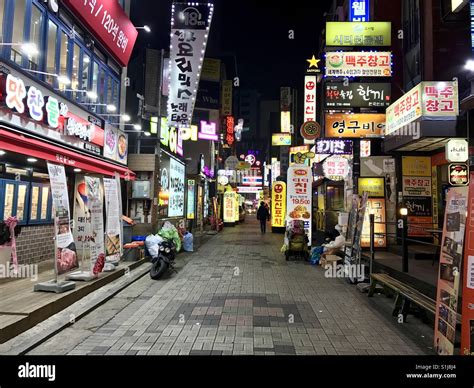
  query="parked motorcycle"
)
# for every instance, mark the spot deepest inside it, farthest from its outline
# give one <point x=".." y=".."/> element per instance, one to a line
<point x="164" y="260"/>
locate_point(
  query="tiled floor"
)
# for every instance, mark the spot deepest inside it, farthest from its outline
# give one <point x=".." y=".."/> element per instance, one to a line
<point x="236" y="296"/>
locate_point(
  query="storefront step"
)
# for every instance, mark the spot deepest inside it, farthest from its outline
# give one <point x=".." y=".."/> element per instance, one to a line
<point x="21" y="308"/>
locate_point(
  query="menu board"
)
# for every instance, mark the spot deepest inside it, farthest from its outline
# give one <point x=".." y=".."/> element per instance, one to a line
<point x="299" y="196"/>
<point x="176" y="188"/>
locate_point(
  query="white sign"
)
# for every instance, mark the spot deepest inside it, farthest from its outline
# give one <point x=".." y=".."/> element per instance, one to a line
<point x="248" y="189"/>
<point x="95" y="206"/>
<point x="299" y="195"/>
<point x="336" y="168"/>
<point x="113" y="221"/>
<point x="229" y="206"/>
<point x="189" y="31"/>
<point x="310" y="83"/>
<point x="176" y="185"/>
<point x="457" y="150"/>
<point x="359" y="64"/>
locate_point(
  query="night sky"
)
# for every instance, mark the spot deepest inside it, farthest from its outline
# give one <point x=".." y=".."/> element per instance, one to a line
<point x="256" y="33"/>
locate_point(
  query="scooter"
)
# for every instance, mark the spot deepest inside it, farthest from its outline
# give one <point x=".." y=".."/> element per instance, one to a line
<point x="164" y="260"/>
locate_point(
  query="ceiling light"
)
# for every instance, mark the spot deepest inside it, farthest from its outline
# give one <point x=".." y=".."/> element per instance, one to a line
<point x="146" y="28"/>
<point x="111" y="108"/>
<point x="62" y="79"/>
<point x="126" y="117"/>
<point x="91" y="94"/>
<point x="2" y="152"/>
<point x="29" y="49"/>
<point x="469" y="65"/>
<point x="147" y="134"/>
<point x="137" y="127"/>
<point x="77" y="170"/>
<point x="32" y="160"/>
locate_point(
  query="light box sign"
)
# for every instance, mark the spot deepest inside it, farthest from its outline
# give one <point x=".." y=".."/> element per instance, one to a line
<point x="190" y="26"/>
<point x="359" y="11"/>
<point x="336" y="168"/>
<point x="367" y="34"/>
<point x="358" y="125"/>
<point x="375" y="187"/>
<point x="359" y="64"/>
<point x="435" y="100"/>
<point x="334" y="147"/>
<point x="281" y="139"/>
<point x="299" y="196"/>
<point x="310" y="83"/>
<point x="190" y="208"/>
<point x="285" y="122"/>
<point x="278" y="204"/>
<point x="170" y="137"/>
<point x="208" y="131"/>
<point x="229" y="206"/>
<point x="229" y="130"/>
<point x="109" y="24"/>
<point x="357" y="95"/>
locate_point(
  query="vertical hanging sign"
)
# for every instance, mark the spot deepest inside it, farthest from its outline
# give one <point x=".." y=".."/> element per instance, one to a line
<point x="299" y="196"/>
<point x="113" y="228"/>
<point x="190" y="24"/>
<point x="359" y="11"/>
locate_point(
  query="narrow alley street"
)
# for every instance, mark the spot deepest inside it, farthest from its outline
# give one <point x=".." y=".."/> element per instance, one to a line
<point x="236" y="296"/>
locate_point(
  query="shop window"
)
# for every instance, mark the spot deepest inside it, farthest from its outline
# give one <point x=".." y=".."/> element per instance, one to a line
<point x="86" y="66"/>
<point x="63" y="57"/>
<point x="35" y="195"/>
<point x="102" y="90"/>
<point x="14" y="200"/>
<point x="18" y="30"/>
<point x="95" y="81"/>
<point x="35" y="36"/>
<point x="51" y="51"/>
<point x="40" y="204"/>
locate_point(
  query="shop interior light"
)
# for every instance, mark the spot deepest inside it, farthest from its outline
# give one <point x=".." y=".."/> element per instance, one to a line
<point x="469" y="65"/>
<point x="137" y="127"/>
<point x="29" y="49"/>
<point x="126" y="117"/>
<point x="31" y="160"/>
<point x="404" y="211"/>
<point x="92" y="95"/>
<point x="147" y="134"/>
<point x="145" y="27"/>
<point x="2" y="152"/>
<point x="111" y="108"/>
<point x="63" y="79"/>
<point x="77" y="170"/>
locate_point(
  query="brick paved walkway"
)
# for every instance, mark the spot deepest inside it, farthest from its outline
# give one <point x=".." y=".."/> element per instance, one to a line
<point x="236" y="296"/>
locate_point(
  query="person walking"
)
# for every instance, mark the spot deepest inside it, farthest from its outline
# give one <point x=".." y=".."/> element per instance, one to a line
<point x="263" y="215"/>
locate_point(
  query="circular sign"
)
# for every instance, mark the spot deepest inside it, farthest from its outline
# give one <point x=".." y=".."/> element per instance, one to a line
<point x="231" y="163"/>
<point x="278" y="188"/>
<point x="336" y="168"/>
<point x="250" y="159"/>
<point x="310" y="130"/>
<point x="222" y="180"/>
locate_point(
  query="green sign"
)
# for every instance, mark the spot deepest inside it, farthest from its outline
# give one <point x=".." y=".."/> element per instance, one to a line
<point x="358" y="34"/>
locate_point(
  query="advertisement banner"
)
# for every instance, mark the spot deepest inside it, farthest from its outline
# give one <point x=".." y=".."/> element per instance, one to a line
<point x="191" y="199"/>
<point x="467" y="324"/>
<point x="299" y="196"/>
<point x="113" y="220"/>
<point x="211" y="70"/>
<point x="164" y="193"/>
<point x="417" y="166"/>
<point x="377" y="205"/>
<point x="450" y="270"/>
<point x="109" y="23"/>
<point x="357" y="95"/>
<point x="310" y="109"/>
<point x="229" y="207"/>
<point x="95" y="205"/>
<point x="176" y="189"/>
<point x="189" y="30"/>
<point x="434" y="100"/>
<point x="226" y="98"/>
<point x="278" y="204"/>
<point x="358" y="125"/>
<point x="66" y="255"/>
<point x="281" y="139"/>
<point x="358" y="34"/>
<point x="359" y="64"/>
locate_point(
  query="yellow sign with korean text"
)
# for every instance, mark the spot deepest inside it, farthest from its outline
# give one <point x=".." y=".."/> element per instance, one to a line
<point x="359" y="125"/>
<point x="416" y="166"/>
<point x="375" y="187"/>
<point x="226" y="108"/>
<point x="229" y="206"/>
<point x="211" y="70"/>
<point x="278" y="204"/>
<point x="358" y="34"/>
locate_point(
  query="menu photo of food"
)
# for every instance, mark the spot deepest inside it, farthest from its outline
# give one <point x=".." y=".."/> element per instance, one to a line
<point x="112" y="244"/>
<point x="122" y="148"/>
<point x="300" y="211"/>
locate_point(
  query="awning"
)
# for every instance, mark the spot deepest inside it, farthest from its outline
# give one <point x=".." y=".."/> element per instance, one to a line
<point x="22" y="144"/>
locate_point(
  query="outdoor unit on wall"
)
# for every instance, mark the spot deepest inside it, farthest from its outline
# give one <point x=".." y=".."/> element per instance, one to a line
<point x="141" y="189"/>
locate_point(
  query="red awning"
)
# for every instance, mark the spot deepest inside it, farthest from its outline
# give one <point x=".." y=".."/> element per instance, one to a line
<point x="22" y="144"/>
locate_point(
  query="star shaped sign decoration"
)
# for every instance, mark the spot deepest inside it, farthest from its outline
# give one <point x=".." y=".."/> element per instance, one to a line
<point x="313" y="62"/>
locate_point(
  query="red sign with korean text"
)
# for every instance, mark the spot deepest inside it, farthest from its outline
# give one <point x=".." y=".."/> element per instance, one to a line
<point x="110" y="25"/>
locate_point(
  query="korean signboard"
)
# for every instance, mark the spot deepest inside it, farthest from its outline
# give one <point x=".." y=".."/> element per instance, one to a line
<point x="416" y="186"/>
<point x="208" y="131"/>
<point x="281" y="139"/>
<point x="297" y="155"/>
<point x="458" y="174"/>
<point x="113" y="219"/>
<point x="336" y="168"/>
<point x="229" y="206"/>
<point x="467" y="324"/>
<point x="229" y="130"/>
<point x="377" y="206"/>
<point x="285" y="121"/>
<point x="334" y="147"/>
<point x="109" y="23"/>
<point x="436" y="100"/>
<point x="285" y="99"/>
<point x="358" y="64"/>
<point x="189" y="30"/>
<point x="115" y="144"/>
<point x="359" y="125"/>
<point x="416" y="166"/>
<point x="357" y="95"/>
<point x="310" y="82"/>
<point x="299" y="195"/>
<point x="278" y="204"/>
<point x="358" y="34"/>
<point x="176" y="188"/>
<point x="450" y="264"/>
<point x="171" y="138"/>
<point x="32" y="107"/>
<point x="373" y="186"/>
<point x="211" y="70"/>
<point x="457" y="150"/>
<point x="226" y="98"/>
<point x="359" y="10"/>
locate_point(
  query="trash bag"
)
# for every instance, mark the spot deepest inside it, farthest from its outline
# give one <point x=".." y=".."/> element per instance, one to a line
<point x="188" y="242"/>
<point x="152" y="243"/>
<point x="169" y="232"/>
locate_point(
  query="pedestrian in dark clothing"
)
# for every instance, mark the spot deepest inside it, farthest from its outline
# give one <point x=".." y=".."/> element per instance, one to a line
<point x="263" y="215"/>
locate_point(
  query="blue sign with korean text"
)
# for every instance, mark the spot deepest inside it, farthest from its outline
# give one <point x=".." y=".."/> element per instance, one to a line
<point x="359" y="11"/>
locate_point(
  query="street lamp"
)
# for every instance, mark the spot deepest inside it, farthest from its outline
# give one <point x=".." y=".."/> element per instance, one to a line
<point x="145" y="27"/>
